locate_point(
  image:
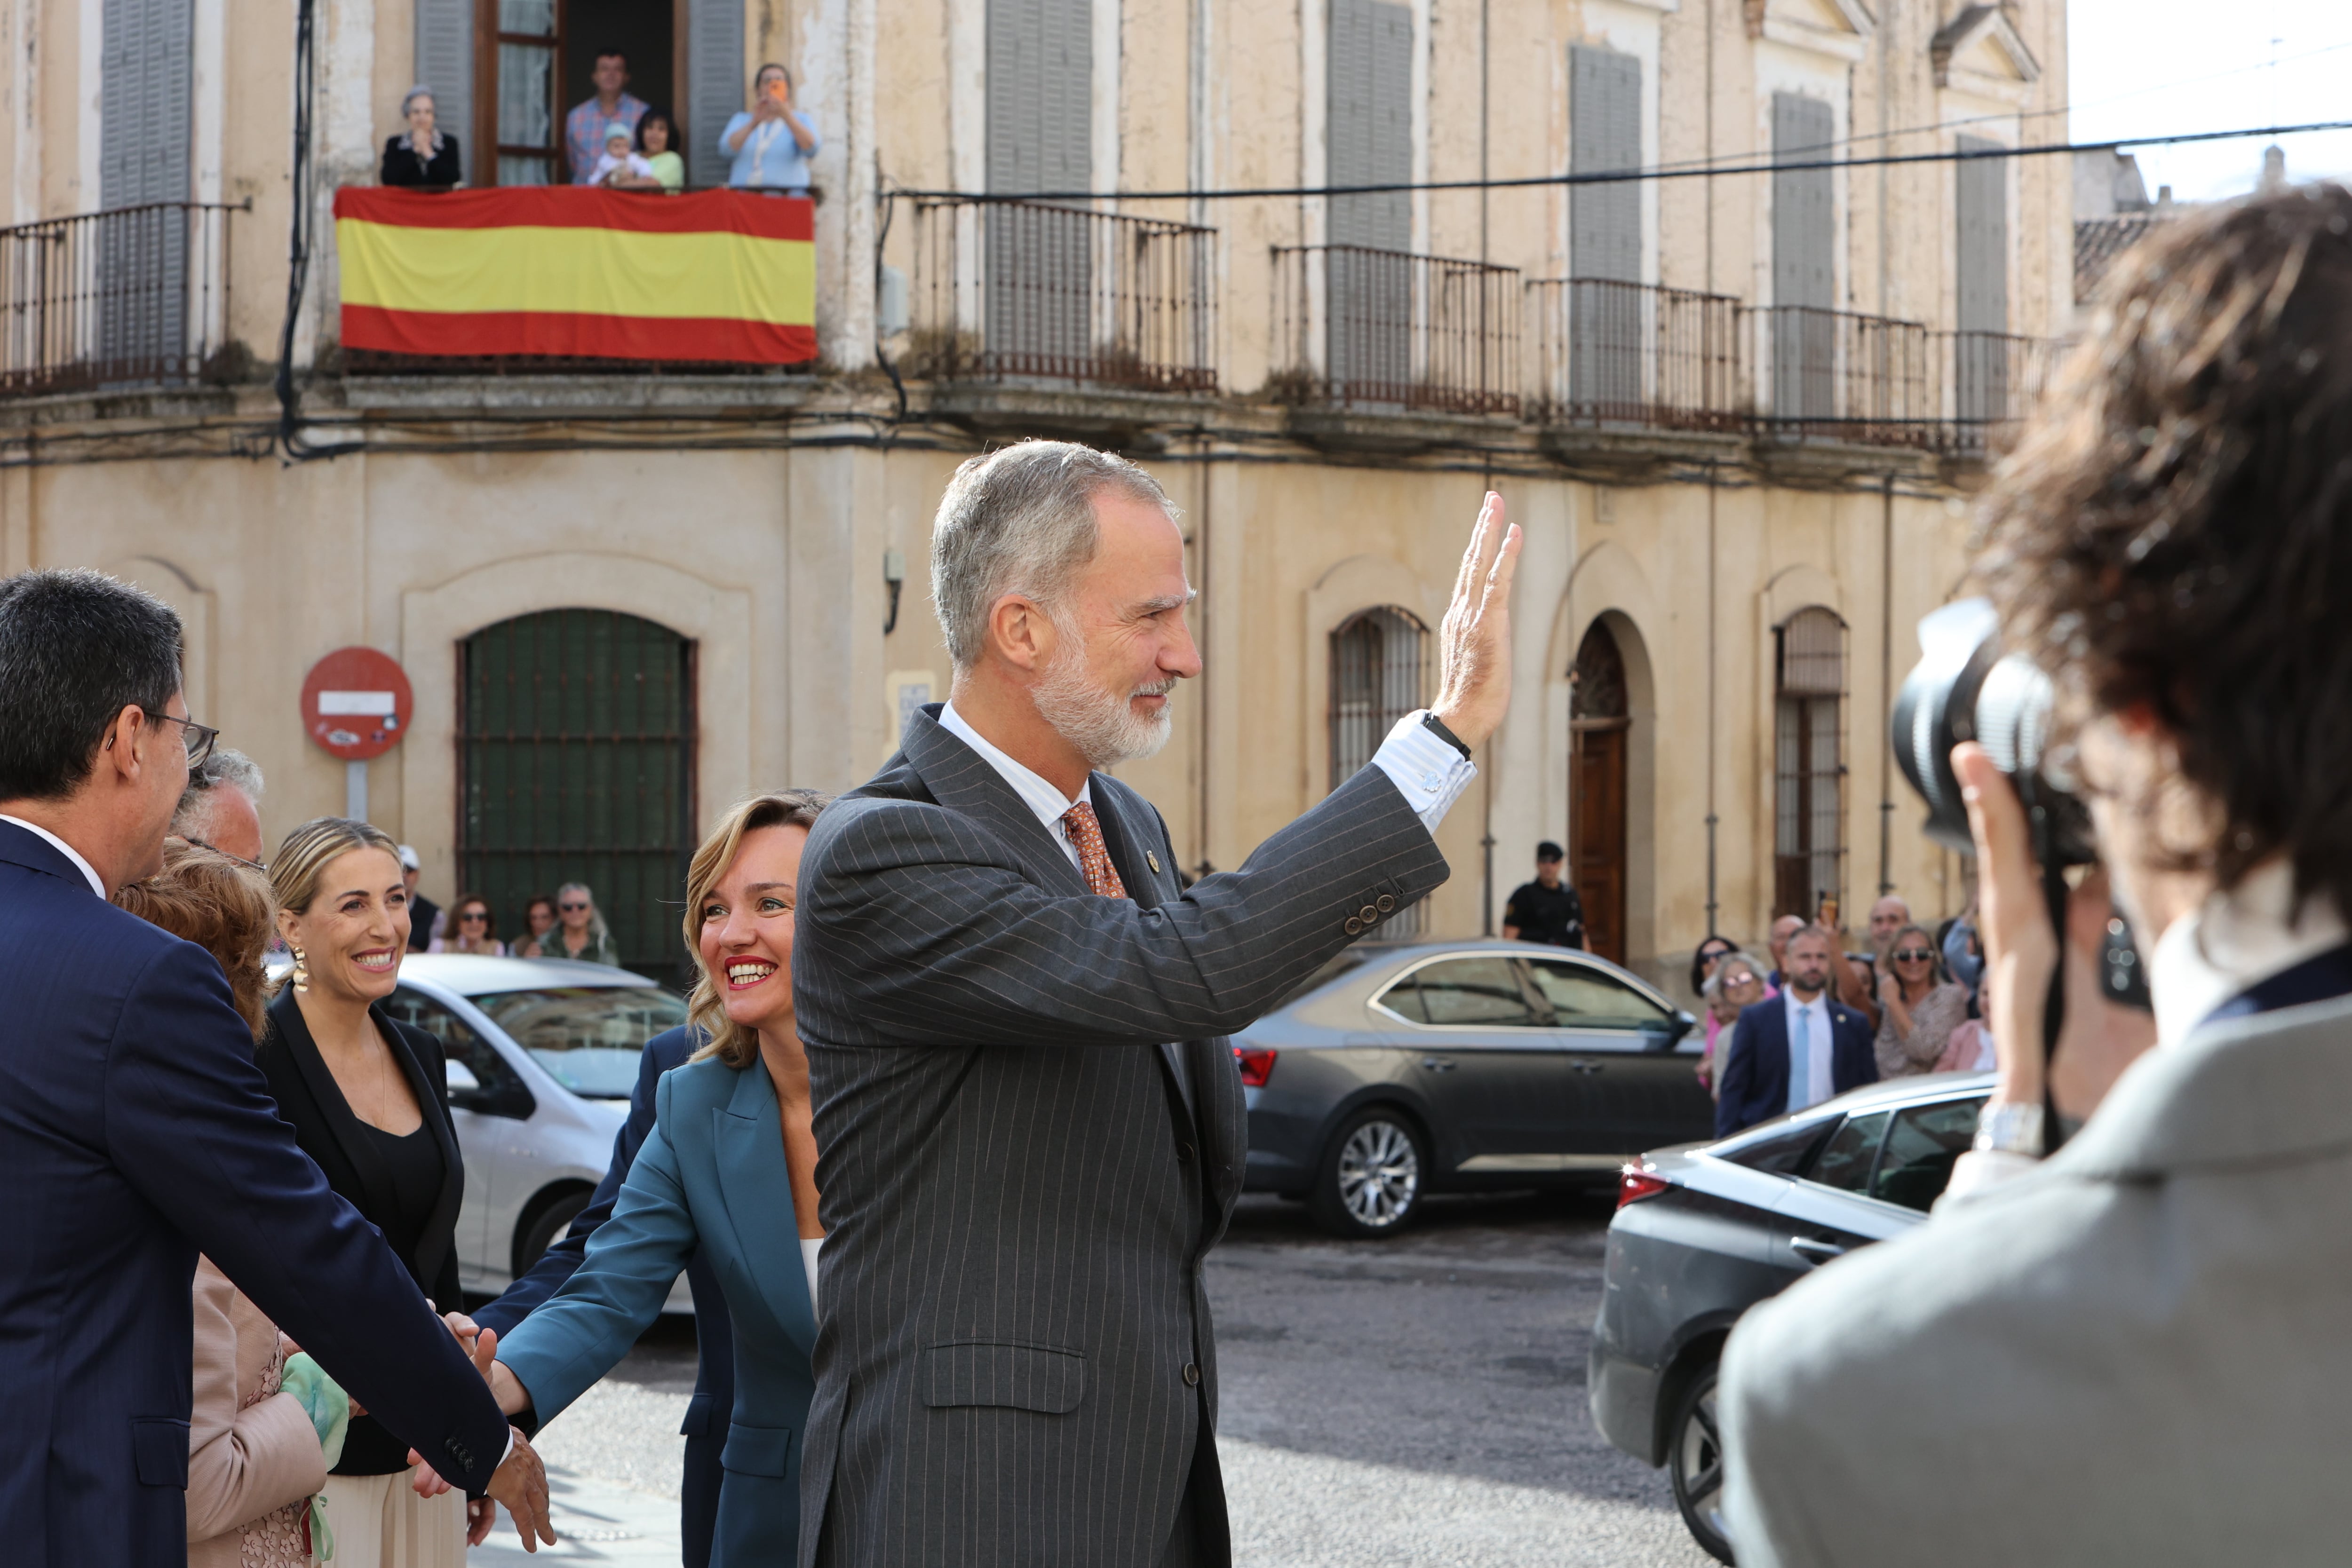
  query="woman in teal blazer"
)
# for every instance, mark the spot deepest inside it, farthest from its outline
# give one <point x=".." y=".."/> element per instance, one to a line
<point x="730" y="1144"/>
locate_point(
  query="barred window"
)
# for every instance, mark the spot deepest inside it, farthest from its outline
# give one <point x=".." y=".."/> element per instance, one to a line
<point x="1380" y="673"/>
<point x="1808" y="762"/>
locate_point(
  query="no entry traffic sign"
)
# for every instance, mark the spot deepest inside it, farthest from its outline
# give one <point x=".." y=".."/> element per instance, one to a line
<point x="357" y="703"/>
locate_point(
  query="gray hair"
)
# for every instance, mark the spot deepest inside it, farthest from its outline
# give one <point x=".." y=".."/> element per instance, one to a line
<point x="1715" y="984"/>
<point x="233" y="769"/>
<point x="413" y="94"/>
<point x="596" y="926"/>
<point x="1019" y="519"/>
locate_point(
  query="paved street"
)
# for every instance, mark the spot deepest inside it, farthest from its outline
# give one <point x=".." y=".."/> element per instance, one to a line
<point x="1420" y="1403"/>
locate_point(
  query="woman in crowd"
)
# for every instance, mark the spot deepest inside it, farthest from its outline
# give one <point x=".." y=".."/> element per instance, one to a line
<point x="471" y="929"/>
<point x="657" y="143"/>
<point x="254" y="1455"/>
<point x="771" y="142"/>
<point x="1709" y="953"/>
<point x="538" y="920"/>
<point x="729" y="1170"/>
<point x="1918" y="1008"/>
<point x="1736" y="982"/>
<point x="424" y="154"/>
<point x="1970" y="1047"/>
<point x="582" y="934"/>
<point x="369" y="1103"/>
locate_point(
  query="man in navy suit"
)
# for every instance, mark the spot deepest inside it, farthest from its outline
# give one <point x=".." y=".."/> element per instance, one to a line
<point x="1797" y="1049"/>
<point x="705" y="1429"/>
<point x="136" y="1130"/>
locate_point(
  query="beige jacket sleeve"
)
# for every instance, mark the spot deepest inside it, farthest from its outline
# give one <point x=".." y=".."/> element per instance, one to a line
<point x="242" y="1463"/>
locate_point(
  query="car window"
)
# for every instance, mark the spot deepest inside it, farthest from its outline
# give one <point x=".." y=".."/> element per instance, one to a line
<point x="1585" y="998"/>
<point x="589" y="1038"/>
<point x="501" y="1090"/>
<point x="1339" y="964"/>
<point x="1844" y="1160"/>
<point x="1783" y="1153"/>
<point x="1481" y="992"/>
<point x="1921" y="1147"/>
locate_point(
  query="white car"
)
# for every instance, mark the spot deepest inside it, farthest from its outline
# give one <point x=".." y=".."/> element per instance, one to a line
<point x="542" y="1056"/>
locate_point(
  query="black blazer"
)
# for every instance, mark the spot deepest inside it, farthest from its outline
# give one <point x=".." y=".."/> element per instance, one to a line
<point x="402" y="166"/>
<point x="309" y="1100"/>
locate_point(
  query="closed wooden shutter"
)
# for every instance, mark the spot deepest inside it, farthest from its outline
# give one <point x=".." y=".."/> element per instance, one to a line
<point x="1040" y="137"/>
<point x="1369" y="138"/>
<point x="1981" y="367"/>
<point x="1604" y="108"/>
<point x="1804" y="237"/>
<point x="444" y="63"/>
<point x="146" y="82"/>
<point x="717" y="86"/>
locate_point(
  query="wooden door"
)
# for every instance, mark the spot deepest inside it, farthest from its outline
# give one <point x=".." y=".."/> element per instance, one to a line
<point x="1597" y="834"/>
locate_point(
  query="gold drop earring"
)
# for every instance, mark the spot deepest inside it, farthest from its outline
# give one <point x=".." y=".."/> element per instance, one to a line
<point x="301" y="971"/>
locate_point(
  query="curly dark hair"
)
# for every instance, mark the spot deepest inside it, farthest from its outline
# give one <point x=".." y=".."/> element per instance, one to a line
<point x="2175" y="532"/>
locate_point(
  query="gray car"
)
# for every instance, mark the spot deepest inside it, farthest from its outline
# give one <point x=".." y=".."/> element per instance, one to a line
<point x="542" y="1055"/>
<point x="1462" y="1066"/>
<point x="1701" y="1234"/>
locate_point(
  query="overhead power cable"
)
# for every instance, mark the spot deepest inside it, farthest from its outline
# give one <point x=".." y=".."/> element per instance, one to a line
<point x="1624" y="176"/>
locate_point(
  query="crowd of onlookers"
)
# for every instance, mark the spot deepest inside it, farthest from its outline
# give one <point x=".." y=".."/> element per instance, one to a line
<point x="618" y="140"/>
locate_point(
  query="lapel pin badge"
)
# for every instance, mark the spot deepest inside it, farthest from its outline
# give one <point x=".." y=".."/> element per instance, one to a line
<point x="1151" y="859"/>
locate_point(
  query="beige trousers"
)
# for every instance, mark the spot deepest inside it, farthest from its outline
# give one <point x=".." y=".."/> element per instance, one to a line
<point x="379" y="1521"/>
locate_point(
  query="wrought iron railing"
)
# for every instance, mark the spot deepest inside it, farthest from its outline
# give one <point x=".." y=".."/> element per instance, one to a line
<point x="1832" y="373"/>
<point x="1636" y="354"/>
<point x="1991" y="383"/>
<point x="1028" y="289"/>
<point x="129" y="296"/>
<point x="1356" y="326"/>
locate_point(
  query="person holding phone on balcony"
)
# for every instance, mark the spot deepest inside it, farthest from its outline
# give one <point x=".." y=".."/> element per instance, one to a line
<point x="424" y="154"/>
<point x="771" y="142"/>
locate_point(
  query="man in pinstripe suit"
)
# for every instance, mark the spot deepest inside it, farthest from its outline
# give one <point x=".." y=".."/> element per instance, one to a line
<point x="1030" y="1125"/>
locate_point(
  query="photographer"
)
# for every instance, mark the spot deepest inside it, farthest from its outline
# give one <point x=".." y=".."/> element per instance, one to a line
<point x="2126" y="1353"/>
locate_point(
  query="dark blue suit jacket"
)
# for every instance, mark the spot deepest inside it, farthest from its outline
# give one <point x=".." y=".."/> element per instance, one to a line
<point x="1755" y="1072"/>
<point x="135" y="1130"/>
<point x="714" y="1377"/>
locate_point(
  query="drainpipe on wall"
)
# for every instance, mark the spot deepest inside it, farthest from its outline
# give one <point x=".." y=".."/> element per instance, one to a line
<point x="1885" y="674"/>
<point x="1711" y="818"/>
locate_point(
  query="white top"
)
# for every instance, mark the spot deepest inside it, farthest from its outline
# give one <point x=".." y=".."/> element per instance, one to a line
<point x="64" y="848"/>
<point x="1809" y="1031"/>
<point x="809" y="1246"/>
<point x="1429" y="774"/>
<point x="635" y="162"/>
<point x="2232" y="943"/>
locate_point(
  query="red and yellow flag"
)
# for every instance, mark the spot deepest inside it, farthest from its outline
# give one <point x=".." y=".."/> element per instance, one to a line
<point x="567" y="270"/>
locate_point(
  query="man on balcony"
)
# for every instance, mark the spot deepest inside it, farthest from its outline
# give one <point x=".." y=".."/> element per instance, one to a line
<point x="585" y="127"/>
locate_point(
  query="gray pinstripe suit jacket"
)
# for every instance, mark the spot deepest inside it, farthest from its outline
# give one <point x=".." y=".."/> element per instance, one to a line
<point x="1016" y="1196"/>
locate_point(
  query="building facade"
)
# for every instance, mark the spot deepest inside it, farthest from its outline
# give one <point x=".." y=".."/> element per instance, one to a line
<point x="1738" y="408"/>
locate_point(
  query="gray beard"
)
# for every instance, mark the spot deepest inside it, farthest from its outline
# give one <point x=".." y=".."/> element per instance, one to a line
<point x="1100" y="723"/>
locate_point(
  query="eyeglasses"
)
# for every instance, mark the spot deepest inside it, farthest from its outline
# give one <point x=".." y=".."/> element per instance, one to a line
<point x="1912" y="955"/>
<point x="471" y="915"/>
<point x="249" y="865"/>
<point x="199" y="736"/>
<point x="575" y="908"/>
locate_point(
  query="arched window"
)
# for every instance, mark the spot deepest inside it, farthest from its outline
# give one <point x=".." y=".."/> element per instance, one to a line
<point x="1808" y="762"/>
<point x="576" y="747"/>
<point x="1379" y="673"/>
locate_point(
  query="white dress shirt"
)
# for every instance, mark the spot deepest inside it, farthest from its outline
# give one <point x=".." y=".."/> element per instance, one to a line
<point x="1040" y="797"/>
<point x="1809" y="1033"/>
<point x="64" y="848"/>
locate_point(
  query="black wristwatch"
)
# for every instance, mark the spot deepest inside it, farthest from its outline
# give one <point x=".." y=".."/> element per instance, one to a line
<point x="1437" y="728"/>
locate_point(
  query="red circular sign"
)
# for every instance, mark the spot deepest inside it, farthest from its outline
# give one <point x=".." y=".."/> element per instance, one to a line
<point x="357" y="703"/>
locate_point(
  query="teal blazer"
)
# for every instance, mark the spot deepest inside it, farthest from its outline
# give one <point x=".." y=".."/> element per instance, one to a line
<point x="711" y="1175"/>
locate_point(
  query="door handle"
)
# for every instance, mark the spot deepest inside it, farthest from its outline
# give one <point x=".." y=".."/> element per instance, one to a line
<point x="1437" y="1064"/>
<point x="1814" y="1249"/>
<point x="1589" y="1066"/>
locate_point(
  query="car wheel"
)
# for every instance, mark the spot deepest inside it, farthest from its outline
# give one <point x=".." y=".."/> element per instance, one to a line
<point x="1694" y="1461"/>
<point x="548" y="1229"/>
<point x="1370" y="1183"/>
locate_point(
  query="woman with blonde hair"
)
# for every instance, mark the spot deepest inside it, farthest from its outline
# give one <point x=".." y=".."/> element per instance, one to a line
<point x="255" y="1454"/>
<point x="369" y="1102"/>
<point x="1918" y="1008"/>
<point x="729" y="1170"/>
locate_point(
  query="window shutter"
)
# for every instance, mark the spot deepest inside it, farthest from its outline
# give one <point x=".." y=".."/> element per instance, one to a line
<point x="1984" y="241"/>
<point x="1802" y="207"/>
<point x="146" y="54"/>
<point x="1369" y="128"/>
<point x="1604" y="109"/>
<point x="444" y="63"/>
<point x="717" y="86"/>
<point x="1040" y="94"/>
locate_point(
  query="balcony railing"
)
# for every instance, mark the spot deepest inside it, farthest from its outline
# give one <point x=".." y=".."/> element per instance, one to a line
<point x="1990" y="382"/>
<point x="1610" y="353"/>
<point x="1026" y="289"/>
<point x="131" y="297"/>
<point x="1356" y="326"/>
<point x="1836" y="375"/>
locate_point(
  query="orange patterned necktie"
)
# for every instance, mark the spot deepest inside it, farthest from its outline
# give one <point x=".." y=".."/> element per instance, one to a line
<point x="1102" y="877"/>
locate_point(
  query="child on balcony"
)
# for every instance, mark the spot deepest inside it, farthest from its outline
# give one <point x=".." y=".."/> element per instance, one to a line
<point x="620" y="159"/>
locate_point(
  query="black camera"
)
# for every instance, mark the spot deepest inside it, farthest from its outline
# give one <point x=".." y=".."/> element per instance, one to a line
<point x="1965" y="688"/>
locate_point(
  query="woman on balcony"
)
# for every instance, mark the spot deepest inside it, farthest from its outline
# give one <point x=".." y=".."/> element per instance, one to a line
<point x="424" y="154"/>
<point x="657" y="144"/>
<point x="771" y="142"/>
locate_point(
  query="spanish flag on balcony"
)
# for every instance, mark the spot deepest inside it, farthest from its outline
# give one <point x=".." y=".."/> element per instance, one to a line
<point x="726" y="275"/>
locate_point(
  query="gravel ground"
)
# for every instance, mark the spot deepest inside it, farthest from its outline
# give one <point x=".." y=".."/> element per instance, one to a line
<point x="1417" y="1404"/>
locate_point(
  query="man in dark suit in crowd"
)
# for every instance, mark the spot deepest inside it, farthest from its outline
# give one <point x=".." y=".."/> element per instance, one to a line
<point x="705" y="1427"/>
<point x="136" y="1130"/>
<point x="1031" y="1125"/>
<point x="1797" y="1049"/>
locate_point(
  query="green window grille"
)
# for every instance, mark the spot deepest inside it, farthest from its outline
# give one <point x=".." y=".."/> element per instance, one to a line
<point x="576" y="763"/>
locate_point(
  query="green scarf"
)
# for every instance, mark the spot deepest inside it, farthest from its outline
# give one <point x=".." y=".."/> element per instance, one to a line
<point x="330" y="1409"/>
